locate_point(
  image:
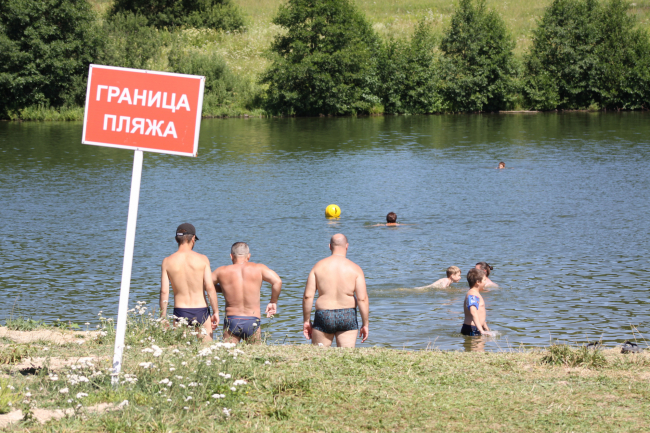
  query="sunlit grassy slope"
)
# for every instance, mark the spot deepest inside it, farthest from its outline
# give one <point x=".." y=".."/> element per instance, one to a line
<point x="390" y="18"/>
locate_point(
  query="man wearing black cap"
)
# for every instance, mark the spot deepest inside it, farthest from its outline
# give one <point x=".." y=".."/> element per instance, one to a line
<point x="191" y="278"/>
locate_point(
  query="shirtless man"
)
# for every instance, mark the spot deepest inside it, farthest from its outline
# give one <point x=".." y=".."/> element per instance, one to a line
<point x="240" y="284"/>
<point x="485" y="267"/>
<point x="391" y="221"/>
<point x="341" y="287"/>
<point x="474" y="306"/>
<point x="189" y="273"/>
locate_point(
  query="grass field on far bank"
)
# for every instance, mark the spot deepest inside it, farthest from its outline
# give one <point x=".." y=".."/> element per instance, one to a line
<point x="172" y="383"/>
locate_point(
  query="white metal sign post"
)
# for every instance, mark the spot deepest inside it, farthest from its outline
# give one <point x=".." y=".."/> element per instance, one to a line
<point x="120" y="331"/>
<point x="140" y="110"/>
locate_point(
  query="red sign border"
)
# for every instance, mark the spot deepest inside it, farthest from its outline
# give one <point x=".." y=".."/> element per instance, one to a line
<point x="143" y="71"/>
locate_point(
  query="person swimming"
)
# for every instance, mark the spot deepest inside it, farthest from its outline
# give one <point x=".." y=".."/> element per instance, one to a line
<point x="502" y="165"/>
<point x="485" y="267"/>
<point x="453" y="276"/>
<point x="391" y="221"/>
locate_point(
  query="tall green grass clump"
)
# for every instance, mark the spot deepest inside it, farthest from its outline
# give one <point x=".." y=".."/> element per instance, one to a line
<point x="213" y="14"/>
<point x="45" y="49"/>
<point x="564" y="355"/>
<point x="408" y="74"/>
<point x="478" y="68"/>
<point x="324" y="63"/>
<point x="587" y="53"/>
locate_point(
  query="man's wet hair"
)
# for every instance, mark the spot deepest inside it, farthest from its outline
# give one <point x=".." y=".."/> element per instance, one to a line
<point x="485" y="267"/>
<point x="451" y="270"/>
<point x="474" y="276"/>
<point x="184" y="239"/>
<point x="239" y="249"/>
<point x="391" y="217"/>
<point x="338" y="240"/>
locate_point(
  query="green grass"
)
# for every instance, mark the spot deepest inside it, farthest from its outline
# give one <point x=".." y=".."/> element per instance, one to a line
<point x="244" y="51"/>
<point x="304" y="388"/>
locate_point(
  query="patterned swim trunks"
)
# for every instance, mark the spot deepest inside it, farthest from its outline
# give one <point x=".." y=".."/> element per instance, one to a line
<point x="333" y="321"/>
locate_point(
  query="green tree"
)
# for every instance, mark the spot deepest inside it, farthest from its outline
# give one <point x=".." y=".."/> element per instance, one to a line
<point x="408" y="74"/>
<point x="215" y="14"/>
<point x="325" y="63"/>
<point x="477" y="66"/>
<point x="587" y="53"/>
<point x="45" y="49"/>
<point x="129" y="41"/>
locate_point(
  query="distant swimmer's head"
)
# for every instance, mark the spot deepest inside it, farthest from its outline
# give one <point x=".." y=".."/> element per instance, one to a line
<point x="453" y="273"/>
<point x="475" y="278"/>
<point x="240" y="250"/>
<point x="485" y="267"/>
<point x="502" y="164"/>
<point x="186" y="233"/>
<point x="391" y="218"/>
<point x="338" y="243"/>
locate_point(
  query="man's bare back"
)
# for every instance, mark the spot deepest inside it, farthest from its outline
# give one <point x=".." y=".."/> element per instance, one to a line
<point x="341" y="287"/>
<point x="189" y="274"/>
<point x="240" y="284"/>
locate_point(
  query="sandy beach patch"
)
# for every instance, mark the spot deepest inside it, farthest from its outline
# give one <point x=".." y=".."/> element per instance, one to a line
<point x="53" y="336"/>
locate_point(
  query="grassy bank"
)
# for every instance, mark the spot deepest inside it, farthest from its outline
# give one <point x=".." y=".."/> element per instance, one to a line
<point x="172" y="383"/>
<point x="244" y="51"/>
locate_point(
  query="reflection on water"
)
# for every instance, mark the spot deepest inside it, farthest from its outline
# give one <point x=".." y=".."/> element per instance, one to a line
<point x="566" y="228"/>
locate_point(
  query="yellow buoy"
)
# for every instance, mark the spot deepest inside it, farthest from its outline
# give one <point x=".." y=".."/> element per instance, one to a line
<point x="332" y="211"/>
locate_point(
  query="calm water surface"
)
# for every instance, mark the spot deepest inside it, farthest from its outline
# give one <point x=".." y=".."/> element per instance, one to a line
<point x="566" y="228"/>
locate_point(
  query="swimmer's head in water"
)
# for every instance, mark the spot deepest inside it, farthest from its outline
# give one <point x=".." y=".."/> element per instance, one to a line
<point x="485" y="267"/>
<point x="453" y="271"/>
<point x="502" y="164"/>
<point x="185" y="233"/>
<point x="475" y="276"/>
<point x="239" y="249"/>
<point x="338" y="241"/>
<point x="391" y="218"/>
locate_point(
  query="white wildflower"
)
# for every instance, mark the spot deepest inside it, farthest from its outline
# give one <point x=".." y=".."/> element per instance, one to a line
<point x="170" y="384"/>
<point x="218" y="396"/>
<point x="267" y="363"/>
<point x="183" y="363"/>
<point x="10" y="387"/>
<point x="145" y="364"/>
<point x="186" y="408"/>
<point x="232" y="388"/>
<point x="193" y="384"/>
<point x="176" y="351"/>
<point x="205" y="352"/>
<point x="172" y="369"/>
<point x="169" y="399"/>
<point x="208" y="362"/>
<point x="240" y="382"/>
<point x="179" y="377"/>
<point x="69" y="400"/>
<point x="164" y="381"/>
<point x="188" y="398"/>
<point x="64" y="390"/>
<point x="181" y="385"/>
<point x="124" y="403"/>
<point x="81" y="395"/>
<point x="226" y="411"/>
<point x="28" y="394"/>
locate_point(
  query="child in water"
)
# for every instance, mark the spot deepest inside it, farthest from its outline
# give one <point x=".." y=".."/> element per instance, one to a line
<point x="485" y="267"/>
<point x="453" y="276"/>
<point x="502" y="165"/>
<point x="474" y="306"/>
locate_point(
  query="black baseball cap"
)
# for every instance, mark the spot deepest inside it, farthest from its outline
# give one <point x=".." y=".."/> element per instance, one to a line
<point x="186" y="229"/>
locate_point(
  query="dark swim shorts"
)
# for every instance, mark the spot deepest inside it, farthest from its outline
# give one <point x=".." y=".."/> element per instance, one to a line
<point x="200" y="315"/>
<point x="242" y="326"/>
<point x="470" y="330"/>
<point x="333" y="321"/>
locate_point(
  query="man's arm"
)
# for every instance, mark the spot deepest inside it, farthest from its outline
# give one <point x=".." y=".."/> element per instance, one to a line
<point x="215" y="281"/>
<point x="164" y="291"/>
<point x="307" y="302"/>
<point x="208" y="286"/>
<point x="274" y="279"/>
<point x="364" y="305"/>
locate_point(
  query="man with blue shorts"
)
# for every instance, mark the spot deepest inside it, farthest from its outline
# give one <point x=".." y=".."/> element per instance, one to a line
<point x="240" y="284"/>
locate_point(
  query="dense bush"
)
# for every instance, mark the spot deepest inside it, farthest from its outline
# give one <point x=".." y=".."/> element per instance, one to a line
<point x="130" y="41"/>
<point x="408" y="74"/>
<point x="214" y="14"/>
<point x="45" y="49"/>
<point x="477" y="66"/>
<point x="586" y="53"/>
<point x="325" y="62"/>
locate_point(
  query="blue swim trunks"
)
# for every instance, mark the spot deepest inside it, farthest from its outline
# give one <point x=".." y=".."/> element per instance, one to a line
<point x="333" y="321"/>
<point x="242" y="326"/>
<point x="200" y="315"/>
<point x="469" y="330"/>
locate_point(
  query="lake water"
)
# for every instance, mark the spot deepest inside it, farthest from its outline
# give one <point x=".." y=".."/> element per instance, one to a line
<point x="566" y="227"/>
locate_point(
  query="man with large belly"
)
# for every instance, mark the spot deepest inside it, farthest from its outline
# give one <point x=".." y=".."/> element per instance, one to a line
<point x="240" y="284"/>
<point x="189" y="274"/>
<point x="341" y="287"/>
